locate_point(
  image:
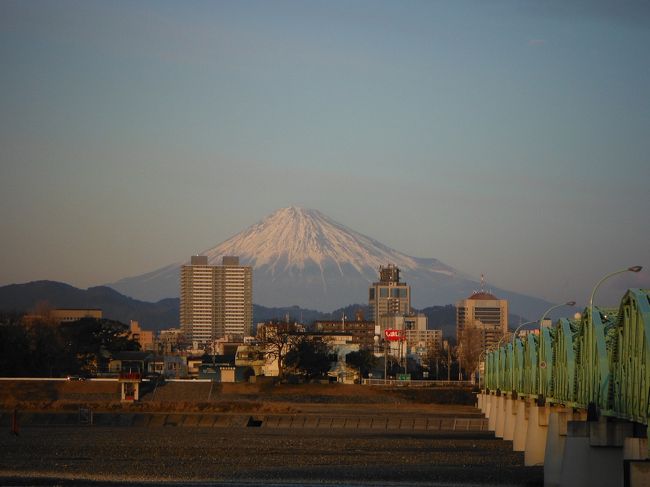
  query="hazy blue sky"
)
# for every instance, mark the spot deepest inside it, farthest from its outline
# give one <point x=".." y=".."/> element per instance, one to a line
<point x="510" y="138"/>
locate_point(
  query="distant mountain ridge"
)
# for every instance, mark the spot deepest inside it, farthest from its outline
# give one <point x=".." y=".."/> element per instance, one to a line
<point x="23" y="298"/>
<point x="304" y="258"/>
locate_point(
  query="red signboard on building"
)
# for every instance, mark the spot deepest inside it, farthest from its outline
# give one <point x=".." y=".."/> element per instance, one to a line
<point x="393" y="335"/>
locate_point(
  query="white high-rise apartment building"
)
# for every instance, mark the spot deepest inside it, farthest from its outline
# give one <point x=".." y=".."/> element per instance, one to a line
<point x="216" y="300"/>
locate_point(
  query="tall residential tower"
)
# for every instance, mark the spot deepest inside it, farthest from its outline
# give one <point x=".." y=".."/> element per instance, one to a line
<point x="216" y="300"/>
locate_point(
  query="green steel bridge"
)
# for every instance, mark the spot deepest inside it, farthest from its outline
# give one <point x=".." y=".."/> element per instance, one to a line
<point x="599" y="363"/>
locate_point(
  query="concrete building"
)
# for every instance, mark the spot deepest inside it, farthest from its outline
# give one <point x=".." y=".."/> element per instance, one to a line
<point x="216" y="300"/>
<point x="388" y="298"/>
<point x="145" y="338"/>
<point x="169" y="341"/>
<point x="424" y="343"/>
<point x="66" y="315"/>
<point x="485" y="311"/>
<point x="362" y="331"/>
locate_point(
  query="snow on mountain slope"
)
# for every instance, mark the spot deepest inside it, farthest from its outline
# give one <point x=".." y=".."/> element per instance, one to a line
<point x="302" y="257"/>
<point x="295" y="237"/>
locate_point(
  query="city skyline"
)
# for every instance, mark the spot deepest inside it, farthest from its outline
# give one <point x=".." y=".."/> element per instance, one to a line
<point x="507" y="139"/>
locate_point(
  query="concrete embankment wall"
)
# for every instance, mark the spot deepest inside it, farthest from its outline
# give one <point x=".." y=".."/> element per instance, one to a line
<point x="45" y="394"/>
<point x="151" y="420"/>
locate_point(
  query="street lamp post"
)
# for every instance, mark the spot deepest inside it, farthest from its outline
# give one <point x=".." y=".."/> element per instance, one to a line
<point x="512" y="365"/>
<point x="636" y="268"/>
<point x="514" y="335"/>
<point x="541" y="320"/>
<point x="483" y="356"/>
<point x="541" y="324"/>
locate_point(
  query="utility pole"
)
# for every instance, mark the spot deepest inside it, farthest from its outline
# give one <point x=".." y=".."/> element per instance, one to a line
<point x="385" y="362"/>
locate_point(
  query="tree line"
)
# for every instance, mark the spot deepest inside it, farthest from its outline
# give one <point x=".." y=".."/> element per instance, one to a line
<point x="40" y="347"/>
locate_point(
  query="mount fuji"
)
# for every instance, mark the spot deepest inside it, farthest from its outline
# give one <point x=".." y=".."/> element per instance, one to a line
<point x="302" y="257"/>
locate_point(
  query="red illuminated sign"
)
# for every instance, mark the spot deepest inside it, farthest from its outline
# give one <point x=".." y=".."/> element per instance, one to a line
<point x="393" y="335"/>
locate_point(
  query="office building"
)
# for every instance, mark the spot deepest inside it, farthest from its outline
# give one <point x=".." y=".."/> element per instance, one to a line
<point x="486" y="312"/>
<point x="216" y="300"/>
<point x="388" y="298"/>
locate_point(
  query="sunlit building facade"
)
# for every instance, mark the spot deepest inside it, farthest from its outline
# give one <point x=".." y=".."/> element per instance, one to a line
<point x="216" y="300"/>
<point x="388" y="298"/>
<point x="485" y="311"/>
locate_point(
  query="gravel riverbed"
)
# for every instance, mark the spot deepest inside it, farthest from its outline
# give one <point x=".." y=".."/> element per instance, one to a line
<point x="255" y="456"/>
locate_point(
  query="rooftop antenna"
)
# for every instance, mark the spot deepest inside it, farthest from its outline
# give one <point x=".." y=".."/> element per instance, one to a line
<point x="482" y="283"/>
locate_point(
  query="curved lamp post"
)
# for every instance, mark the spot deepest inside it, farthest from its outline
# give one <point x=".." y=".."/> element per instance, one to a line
<point x="484" y="355"/>
<point x="512" y="365"/>
<point x="636" y="268"/>
<point x="540" y="321"/>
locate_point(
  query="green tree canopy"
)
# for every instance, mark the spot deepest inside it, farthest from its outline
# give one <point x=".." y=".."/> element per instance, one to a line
<point x="309" y="357"/>
<point x="42" y="348"/>
<point x="364" y="360"/>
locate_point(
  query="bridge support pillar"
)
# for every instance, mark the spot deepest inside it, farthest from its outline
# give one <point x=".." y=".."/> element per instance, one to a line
<point x="636" y="465"/>
<point x="521" y="426"/>
<point x="501" y="416"/>
<point x="536" y="435"/>
<point x="635" y="449"/>
<point x="555" y="443"/>
<point x="510" y="419"/>
<point x="487" y="405"/>
<point x="593" y="453"/>
<point x="485" y="401"/>
<point x="494" y="412"/>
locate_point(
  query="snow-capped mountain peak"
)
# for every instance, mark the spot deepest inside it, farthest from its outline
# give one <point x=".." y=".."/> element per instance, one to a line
<point x="302" y="257"/>
<point x="297" y="238"/>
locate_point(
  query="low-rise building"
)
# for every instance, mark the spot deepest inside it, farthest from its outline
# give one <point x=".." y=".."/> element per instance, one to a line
<point x="423" y="343"/>
<point x="145" y="338"/>
<point x="130" y="361"/>
<point x="66" y="315"/>
<point x="170" y="341"/>
<point x="361" y="331"/>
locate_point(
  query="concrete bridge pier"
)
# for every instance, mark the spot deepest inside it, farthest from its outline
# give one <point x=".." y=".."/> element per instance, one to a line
<point x="494" y="411"/>
<point x="501" y="416"/>
<point x="521" y="425"/>
<point x="636" y="463"/>
<point x="555" y="444"/>
<point x="593" y="453"/>
<point x="487" y="405"/>
<point x="510" y="419"/>
<point x="536" y="435"/>
<point x="635" y="449"/>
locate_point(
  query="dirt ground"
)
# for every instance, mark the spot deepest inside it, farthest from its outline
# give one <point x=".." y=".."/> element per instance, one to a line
<point x="194" y="396"/>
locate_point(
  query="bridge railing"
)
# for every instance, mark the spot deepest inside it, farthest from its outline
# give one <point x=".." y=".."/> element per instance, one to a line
<point x="417" y="383"/>
<point x="601" y="362"/>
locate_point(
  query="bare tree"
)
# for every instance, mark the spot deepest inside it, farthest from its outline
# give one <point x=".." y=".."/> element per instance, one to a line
<point x="470" y="346"/>
<point x="432" y="359"/>
<point x="277" y="339"/>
